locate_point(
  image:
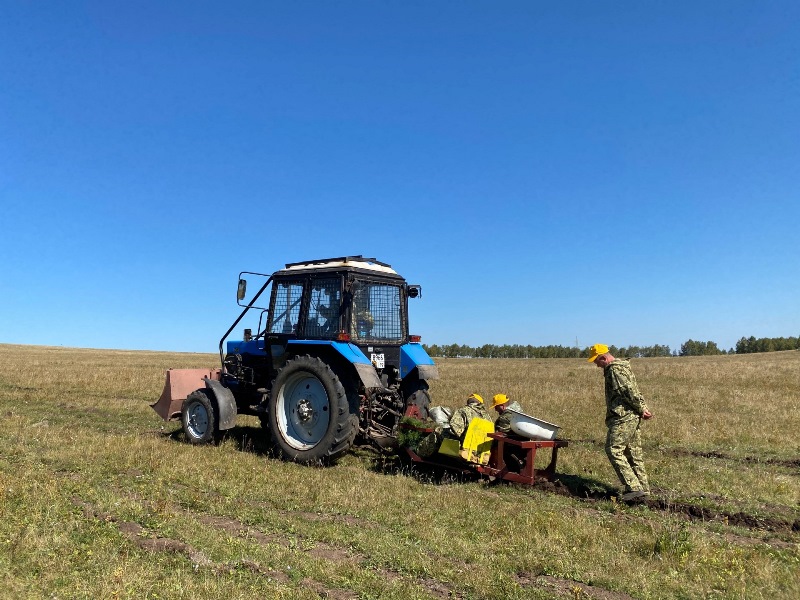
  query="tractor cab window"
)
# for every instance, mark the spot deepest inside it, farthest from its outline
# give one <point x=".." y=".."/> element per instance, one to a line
<point x="324" y="308"/>
<point x="286" y="298"/>
<point x="376" y="312"/>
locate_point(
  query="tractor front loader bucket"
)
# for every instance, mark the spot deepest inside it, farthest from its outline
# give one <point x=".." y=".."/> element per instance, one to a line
<point x="179" y="384"/>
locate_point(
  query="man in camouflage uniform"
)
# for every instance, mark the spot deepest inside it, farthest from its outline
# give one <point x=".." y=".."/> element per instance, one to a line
<point x="461" y="419"/>
<point x="501" y="403"/>
<point x="625" y="409"/>
<point x="513" y="456"/>
<point x="455" y="428"/>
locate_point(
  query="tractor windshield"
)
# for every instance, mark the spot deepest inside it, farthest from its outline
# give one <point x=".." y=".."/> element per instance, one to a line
<point x="377" y="312"/>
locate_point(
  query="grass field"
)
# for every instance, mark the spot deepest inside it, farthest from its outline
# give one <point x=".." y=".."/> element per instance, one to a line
<point x="99" y="498"/>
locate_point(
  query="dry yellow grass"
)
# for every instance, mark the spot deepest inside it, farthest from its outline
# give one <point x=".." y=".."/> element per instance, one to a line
<point x="98" y="499"/>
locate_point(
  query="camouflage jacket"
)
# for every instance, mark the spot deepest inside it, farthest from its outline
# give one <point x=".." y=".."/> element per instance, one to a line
<point x="503" y="422"/>
<point x="464" y="415"/>
<point x="624" y="401"/>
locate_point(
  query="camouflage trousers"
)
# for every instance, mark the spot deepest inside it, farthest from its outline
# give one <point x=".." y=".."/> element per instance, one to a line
<point x="624" y="450"/>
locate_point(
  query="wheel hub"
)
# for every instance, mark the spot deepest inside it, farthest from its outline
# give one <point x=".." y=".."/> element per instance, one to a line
<point x="305" y="411"/>
<point x="198" y="420"/>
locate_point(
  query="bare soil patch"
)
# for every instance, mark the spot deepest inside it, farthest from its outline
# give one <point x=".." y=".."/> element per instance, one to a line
<point x="695" y="512"/>
<point x="323" y="592"/>
<point x="568" y="587"/>
<point x="737" y="519"/>
<point x="323" y="551"/>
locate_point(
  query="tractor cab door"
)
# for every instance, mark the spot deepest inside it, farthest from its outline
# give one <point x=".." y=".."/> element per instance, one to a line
<point x="283" y="322"/>
<point x="323" y="319"/>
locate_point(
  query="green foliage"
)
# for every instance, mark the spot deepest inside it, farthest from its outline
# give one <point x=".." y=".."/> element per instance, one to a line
<point x="688" y="348"/>
<point x="692" y="348"/>
<point x="529" y="351"/>
<point x="751" y="344"/>
<point x="409" y="433"/>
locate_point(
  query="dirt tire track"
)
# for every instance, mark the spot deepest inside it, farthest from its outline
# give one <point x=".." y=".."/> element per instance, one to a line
<point x="319" y="550"/>
<point x="692" y="511"/>
<point x="792" y="463"/>
<point x="568" y="587"/>
<point x="737" y="519"/>
<point x="133" y="532"/>
<point x="324" y="551"/>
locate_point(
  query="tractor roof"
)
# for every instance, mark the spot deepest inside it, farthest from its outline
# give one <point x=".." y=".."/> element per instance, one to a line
<point x="341" y="262"/>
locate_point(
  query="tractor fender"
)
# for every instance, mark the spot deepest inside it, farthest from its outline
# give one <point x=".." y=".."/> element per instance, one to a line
<point x="413" y="356"/>
<point x="351" y="353"/>
<point x="224" y="402"/>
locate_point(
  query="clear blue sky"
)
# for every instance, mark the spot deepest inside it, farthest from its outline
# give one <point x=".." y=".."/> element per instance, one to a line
<point x="624" y="172"/>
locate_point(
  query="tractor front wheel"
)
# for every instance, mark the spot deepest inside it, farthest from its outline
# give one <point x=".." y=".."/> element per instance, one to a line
<point x="198" y="418"/>
<point x="309" y="415"/>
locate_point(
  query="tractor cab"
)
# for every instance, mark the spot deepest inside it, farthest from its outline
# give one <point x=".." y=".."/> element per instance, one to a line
<point x="353" y="300"/>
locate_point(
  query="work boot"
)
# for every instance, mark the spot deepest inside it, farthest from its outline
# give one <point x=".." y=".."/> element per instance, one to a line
<point x="633" y="496"/>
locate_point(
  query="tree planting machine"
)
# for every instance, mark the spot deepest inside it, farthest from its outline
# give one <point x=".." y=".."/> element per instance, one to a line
<point x="328" y="361"/>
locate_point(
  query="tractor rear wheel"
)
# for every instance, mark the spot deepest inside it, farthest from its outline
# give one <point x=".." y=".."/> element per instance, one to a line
<point x="418" y="400"/>
<point x="198" y="418"/>
<point x="309" y="416"/>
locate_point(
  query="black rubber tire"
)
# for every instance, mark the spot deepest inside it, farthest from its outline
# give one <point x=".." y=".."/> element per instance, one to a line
<point x="198" y="417"/>
<point x="419" y="396"/>
<point x="264" y="420"/>
<point x="309" y="415"/>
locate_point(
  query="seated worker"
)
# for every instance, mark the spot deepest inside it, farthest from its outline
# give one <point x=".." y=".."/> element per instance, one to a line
<point x="514" y="457"/>
<point x="501" y="403"/>
<point x="363" y="322"/>
<point x="331" y="316"/>
<point x="455" y="428"/>
<point x="464" y="415"/>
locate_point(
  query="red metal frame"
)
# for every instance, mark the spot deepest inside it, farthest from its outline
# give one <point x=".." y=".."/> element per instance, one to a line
<point x="497" y="466"/>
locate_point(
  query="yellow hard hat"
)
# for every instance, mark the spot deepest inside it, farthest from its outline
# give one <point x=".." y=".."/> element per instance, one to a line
<point x="597" y="350"/>
<point x="476" y="397"/>
<point x="498" y="400"/>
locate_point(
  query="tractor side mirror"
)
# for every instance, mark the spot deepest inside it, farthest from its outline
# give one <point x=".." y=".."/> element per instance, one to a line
<point x="241" y="290"/>
<point x="414" y="291"/>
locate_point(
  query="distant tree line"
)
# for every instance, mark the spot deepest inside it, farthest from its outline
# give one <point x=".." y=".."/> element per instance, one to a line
<point x="505" y="351"/>
<point x="693" y="348"/>
<point x="688" y="348"/>
<point x="751" y="344"/>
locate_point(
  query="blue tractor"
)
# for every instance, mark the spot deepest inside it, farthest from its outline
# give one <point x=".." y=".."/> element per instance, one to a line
<point x="331" y="361"/>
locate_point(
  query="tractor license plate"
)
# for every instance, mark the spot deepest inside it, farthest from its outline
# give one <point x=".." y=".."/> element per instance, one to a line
<point x="378" y="360"/>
